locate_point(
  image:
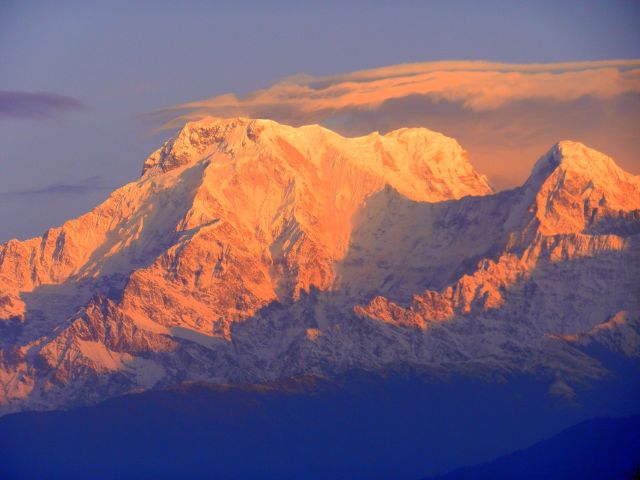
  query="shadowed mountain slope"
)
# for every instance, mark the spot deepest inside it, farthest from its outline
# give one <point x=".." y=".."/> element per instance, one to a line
<point x="250" y="251"/>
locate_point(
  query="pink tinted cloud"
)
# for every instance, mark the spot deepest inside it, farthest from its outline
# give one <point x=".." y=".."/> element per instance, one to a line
<point x="506" y="115"/>
<point x="476" y="85"/>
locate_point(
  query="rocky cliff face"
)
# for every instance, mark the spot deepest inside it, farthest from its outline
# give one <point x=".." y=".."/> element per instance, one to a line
<point x="251" y="251"/>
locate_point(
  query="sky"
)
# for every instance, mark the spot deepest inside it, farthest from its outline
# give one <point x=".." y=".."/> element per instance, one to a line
<point x="85" y="87"/>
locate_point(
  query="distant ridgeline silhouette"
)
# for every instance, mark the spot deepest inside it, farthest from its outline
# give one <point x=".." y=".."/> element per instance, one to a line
<point x="402" y="426"/>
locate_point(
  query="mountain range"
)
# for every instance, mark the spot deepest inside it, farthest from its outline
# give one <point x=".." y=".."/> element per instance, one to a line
<point x="249" y="252"/>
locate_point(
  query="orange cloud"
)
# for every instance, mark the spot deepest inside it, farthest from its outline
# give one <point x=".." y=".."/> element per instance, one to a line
<point x="506" y="115"/>
<point x="477" y="86"/>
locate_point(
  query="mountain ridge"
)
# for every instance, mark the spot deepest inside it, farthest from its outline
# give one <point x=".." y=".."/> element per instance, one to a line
<point x="595" y="448"/>
<point x="250" y="251"/>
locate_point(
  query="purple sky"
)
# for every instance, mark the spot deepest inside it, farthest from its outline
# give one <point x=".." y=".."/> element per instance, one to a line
<point x="75" y="78"/>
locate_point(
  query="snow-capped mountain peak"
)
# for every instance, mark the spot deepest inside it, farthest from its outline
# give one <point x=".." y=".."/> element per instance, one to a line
<point x="577" y="187"/>
<point x="250" y="250"/>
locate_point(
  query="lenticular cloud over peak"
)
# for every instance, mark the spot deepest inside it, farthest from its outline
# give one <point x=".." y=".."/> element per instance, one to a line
<point x="503" y="114"/>
<point x="476" y="85"/>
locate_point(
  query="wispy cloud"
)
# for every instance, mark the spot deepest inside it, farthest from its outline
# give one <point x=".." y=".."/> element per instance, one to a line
<point x="506" y="115"/>
<point x="36" y="105"/>
<point x="477" y="86"/>
<point x="87" y="185"/>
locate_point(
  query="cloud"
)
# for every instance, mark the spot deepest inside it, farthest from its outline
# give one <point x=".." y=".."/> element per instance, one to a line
<point x="505" y="115"/>
<point x="81" y="187"/>
<point x="477" y="86"/>
<point x="36" y="106"/>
